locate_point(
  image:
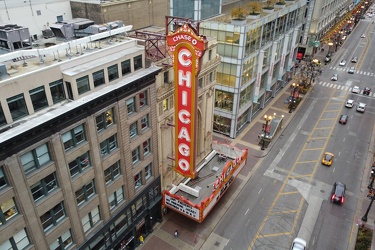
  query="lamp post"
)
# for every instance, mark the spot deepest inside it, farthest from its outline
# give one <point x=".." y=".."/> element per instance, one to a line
<point x="267" y="119"/>
<point x="370" y="186"/>
<point x="364" y="218"/>
<point x="295" y="87"/>
<point x="330" y="44"/>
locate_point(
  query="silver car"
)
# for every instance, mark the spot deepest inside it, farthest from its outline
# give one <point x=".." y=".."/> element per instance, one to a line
<point x="334" y="77"/>
<point x="351" y="70"/>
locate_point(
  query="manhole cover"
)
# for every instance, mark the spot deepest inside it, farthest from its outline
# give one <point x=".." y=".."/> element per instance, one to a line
<point x="322" y="191"/>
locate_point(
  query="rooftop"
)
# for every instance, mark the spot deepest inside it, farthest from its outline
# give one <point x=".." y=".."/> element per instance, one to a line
<point x="47" y="52"/>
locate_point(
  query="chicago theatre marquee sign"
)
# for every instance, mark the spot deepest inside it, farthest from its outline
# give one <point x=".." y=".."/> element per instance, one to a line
<point x="187" y="48"/>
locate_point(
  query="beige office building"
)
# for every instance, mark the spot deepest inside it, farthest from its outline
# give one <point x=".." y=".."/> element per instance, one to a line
<point x="78" y="145"/>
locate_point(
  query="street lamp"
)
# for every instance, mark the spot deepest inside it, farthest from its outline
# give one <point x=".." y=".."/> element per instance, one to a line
<point x="294" y="87"/>
<point x="372" y="197"/>
<point x="330" y="44"/>
<point x="267" y="119"/>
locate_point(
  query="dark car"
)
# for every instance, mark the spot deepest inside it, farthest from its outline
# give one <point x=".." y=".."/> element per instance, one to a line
<point x="338" y="193"/>
<point x="354" y="59"/>
<point x="343" y="119"/>
<point x="366" y="91"/>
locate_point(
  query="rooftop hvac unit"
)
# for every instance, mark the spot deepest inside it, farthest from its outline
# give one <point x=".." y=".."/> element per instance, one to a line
<point x="47" y="33"/>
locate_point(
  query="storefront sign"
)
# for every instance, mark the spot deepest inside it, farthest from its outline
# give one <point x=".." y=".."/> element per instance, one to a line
<point x="187" y="48"/>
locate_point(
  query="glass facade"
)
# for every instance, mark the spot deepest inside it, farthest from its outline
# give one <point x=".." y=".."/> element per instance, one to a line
<point x="251" y="54"/>
<point x="209" y="8"/>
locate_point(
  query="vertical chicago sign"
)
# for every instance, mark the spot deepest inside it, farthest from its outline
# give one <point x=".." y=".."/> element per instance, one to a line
<point x="187" y="48"/>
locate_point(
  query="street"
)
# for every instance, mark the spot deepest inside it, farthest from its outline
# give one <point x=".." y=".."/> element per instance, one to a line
<point x="289" y="194"/>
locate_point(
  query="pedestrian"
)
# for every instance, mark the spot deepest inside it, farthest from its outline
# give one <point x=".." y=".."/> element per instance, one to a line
<point x="141" y="240"/>
<point x="176" y="234"/>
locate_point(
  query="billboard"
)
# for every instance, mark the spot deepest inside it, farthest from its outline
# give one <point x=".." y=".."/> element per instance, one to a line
<point x="187" y="47"/>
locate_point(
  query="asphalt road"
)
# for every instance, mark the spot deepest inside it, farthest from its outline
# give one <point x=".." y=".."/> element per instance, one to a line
<point x="289" y="193"/>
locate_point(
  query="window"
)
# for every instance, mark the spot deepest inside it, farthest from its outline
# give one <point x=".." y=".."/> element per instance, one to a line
<point x="98" y="77"/>
<point x="148" y="171"/>
<point x="143" y="99"/>
<point x="19" y="241"/>
<point x="112" y="72"/>
<point x="83" y="85"/>
<point x="35" y="159"/>
<point x="85" y="193"/>
<point x="210" y="54"/>
<point x="200" y="82"/>
<point x="69" y="90"/>
<point x="80" y="164"/>
<point x="112" y="172"/>
<point x="166" y="77"/>
<point x="57" y="91"/>
<point x="44" y="187"/>
<point x="74" y="137"/>
<point x="63" y="242"/>
<point x="165" y="105"/>
<point x="133" y="129"/>
<point x="7" y="211"/>
<point x="138" y="62"/>
<point x="130" y="103"/>
<point x="135" y="155"/>
<point x="125" y="67"/>
<point x="90" y="219"/>
<point x="108" y="145"/>
<point x="211" y="77"/>
<point x="146" y="147"/>
<point x="2" y="116"/>
<point x="38" y="98"/>
<point x="104" y="120"/>
<point x="144" y="122"/>
<point x="115" y="198"/>
<point x="138" y="180"/>
<point x="3" y="180"/>
<point x="53" y="216"/>
<point x="17" y="107"/>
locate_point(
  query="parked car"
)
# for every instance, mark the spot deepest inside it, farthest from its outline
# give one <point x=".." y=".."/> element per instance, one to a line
<point x="366" y="91"/>
<point x="327" y="159"/>
<point x="334" y="77"/>
<point x="355" y="89"/>
<point x="338" y="192"/>
<point x="349" y="103"/>
<point x="351" y="70"/>
<point x="342" y="63"/>
<point x="354" y="59"/>
<point x="298" y="244"/>
<point x="343" y="119"/>
<point x="361" y="107"/>
<point x="363" y="36"/>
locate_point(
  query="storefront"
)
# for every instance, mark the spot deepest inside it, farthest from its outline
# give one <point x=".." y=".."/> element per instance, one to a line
<point x="133" y="220"/>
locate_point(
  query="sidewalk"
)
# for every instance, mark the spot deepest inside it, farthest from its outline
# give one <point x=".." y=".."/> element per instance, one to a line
<point x="193" y="235"/>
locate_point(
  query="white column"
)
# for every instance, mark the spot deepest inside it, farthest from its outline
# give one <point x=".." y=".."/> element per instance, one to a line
<point x="292" y="48"/>
<point x="259" y="75"/>
<point x="283" y="53"/>
<point x="272" y="65"/>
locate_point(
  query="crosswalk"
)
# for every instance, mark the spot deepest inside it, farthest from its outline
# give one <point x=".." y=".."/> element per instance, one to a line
<point x="340" y="87"/>
<point x="346" y="69"/>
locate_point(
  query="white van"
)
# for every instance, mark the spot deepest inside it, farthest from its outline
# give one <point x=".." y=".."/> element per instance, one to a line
<point x="361" y="107"/>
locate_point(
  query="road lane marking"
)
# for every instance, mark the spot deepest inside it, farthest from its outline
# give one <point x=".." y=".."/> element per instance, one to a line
<point x="247" y="211"/>
<point x="259" y="233"/>
<point x="260" y="191"/>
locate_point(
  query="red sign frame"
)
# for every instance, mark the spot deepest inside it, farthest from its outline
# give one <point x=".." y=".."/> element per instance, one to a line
<point x="187" y="48"/>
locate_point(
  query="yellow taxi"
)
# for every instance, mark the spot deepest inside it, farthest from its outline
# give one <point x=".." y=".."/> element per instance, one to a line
<point x="327" y="158"/>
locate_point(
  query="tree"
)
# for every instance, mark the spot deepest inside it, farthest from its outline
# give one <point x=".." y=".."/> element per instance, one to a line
<point x="238" y="13"/>
<point x="254" y="7"/>
<point x="269" y="3"/>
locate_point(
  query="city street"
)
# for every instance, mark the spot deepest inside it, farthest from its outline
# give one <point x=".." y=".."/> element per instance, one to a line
<point x="285" y="192"/>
